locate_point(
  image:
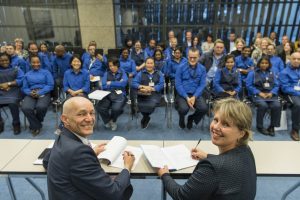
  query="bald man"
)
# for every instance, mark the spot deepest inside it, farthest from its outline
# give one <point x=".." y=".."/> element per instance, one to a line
<point x="73" y="169"/>
<point x="60" y="64"/>
<point x="290" y="85"/>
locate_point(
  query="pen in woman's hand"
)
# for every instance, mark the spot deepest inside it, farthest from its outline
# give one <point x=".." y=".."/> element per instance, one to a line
<point x="198" y="143"/>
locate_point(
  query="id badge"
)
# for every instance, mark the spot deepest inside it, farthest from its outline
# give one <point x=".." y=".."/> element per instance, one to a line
<point x="151" y="84"/>
<point x="266" y="85"/>
<point x="119" y="91"/>
<point x="297" y="87"/>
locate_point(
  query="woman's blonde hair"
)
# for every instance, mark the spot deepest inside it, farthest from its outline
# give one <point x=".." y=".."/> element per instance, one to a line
<point x="239" y="40"/>
<point x="237" y="113"/>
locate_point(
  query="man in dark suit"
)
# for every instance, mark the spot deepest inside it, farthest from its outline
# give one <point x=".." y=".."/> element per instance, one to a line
<point x="73" y="169"/>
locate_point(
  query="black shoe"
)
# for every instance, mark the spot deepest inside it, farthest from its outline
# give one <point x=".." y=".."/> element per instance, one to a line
<point x="1" y="126"/>
<point x="190" y="122"/>
<point x="145" y="122"/>
<point x="35" y="132"/>
<point x="271" y="131"/>
<point x="263" y="131"/>
<point x="17" y="129"/>
<point x="181" y="122"/>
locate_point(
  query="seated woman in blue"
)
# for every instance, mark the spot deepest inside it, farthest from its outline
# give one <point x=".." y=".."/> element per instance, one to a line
<point x="37" y="85"/>
<point x="173" y="64"/>
<point x="159" y="61"/>
<point x="195" y="44"/>
<point x="115" y="81"/>
<point x="227" y="81"/>
<point x="76" y="80"/>
<point x="137" y="54"/>
<point x="263" y="85"/>
<point x="127" y="64"/>
<point x="10" y="82"/>
<point x="149" y="84"/>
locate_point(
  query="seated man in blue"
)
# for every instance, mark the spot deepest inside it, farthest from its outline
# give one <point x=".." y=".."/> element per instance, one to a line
<point x="174" y="64"/>
<point x="277" y="63"/>
<point x="149" y="84"/>
<point x="93" y="64"/>
<point x="290" y="85"/>
<point x="60" y="64"/>
<point x="76" y="80"/>
<point x="10" y="95"/>
<point x="149" y="50"/>
<point x="115" y="81"/>
<point x="190" y="81"/>
<point x="263" y="86"/>
<point x="37" y="85"/>
<point x="16" y="61"/>
<point x="169" y="52"/>
<point x="227" y="81"/>
<point x="244" y="62"/>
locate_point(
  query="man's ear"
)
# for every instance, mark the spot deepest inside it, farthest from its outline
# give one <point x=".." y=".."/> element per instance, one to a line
<point x="64" y="119"/>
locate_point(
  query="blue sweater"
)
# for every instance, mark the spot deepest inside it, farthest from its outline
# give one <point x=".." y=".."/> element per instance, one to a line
<point x="289" y="78"/>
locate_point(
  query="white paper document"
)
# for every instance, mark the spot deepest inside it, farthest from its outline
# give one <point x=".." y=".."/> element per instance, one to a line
<point x="98" y="94"/>
<point x="39" y="161"/>
<point x="175" y="157"/>
<point x="95" y="79"/>
<point x="114" y="152"/>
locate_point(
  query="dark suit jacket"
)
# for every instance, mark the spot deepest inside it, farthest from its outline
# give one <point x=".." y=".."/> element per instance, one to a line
<point x="74" y="172"/>
<point x="229" y="176"/>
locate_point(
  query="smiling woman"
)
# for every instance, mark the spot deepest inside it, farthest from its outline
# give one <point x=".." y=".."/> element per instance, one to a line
<point x="232" y="173"/>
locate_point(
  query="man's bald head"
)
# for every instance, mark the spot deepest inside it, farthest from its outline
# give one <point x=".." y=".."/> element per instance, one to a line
<point x="59" y="50"/>
<point x="295" y="59"/>
<point x="79" y="116"/>
<point x="73" y="103"/>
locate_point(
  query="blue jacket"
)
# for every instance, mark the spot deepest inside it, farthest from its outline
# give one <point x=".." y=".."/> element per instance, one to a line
<point x="277" y="64"/>
<point x="128" y="65"/>
<point x="19" y="62"/>
<point x="289" y="78"/>
<point x="136" y="82"/>
<point x="38" y="79"/>
<point x="243" y="63"/>
<point x="161" y="65"/>
<point x="190" y="81"/>
<point x="61" y="65"/>
<point x="96" y="68"/>
<point x="118" y="81"/>
<point x="148" y="52"/>
<point x="218" y="80"/>
<point x="256" y="86"/>
<point x="168" y="53"/>
<point x="45" y="63"/>
<point x="78" y="81"/>
<point x="172" y="67"/>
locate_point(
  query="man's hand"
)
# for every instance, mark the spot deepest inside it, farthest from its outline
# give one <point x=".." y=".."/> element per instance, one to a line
<point x="269" y="95"/>
<point x="129" y="159"/>
<point x="198" y="154"/>
<point x="100" y="57"/>
<point x="263" y="95"/>
<point x="163" y="171"/>
<point x="4" y="86"/>
<point x="99" y="148"/>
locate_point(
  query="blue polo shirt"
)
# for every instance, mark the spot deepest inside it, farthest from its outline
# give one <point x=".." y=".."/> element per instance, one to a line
<point x="77" y="81"/>
<point x="289" y="78"/>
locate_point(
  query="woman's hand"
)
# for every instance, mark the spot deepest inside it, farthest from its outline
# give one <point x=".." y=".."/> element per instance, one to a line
<point x="162" y="171"/>
<point x="198" y="154"/>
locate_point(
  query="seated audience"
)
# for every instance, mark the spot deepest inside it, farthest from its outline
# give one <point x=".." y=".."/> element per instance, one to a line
<point x="285" y="55"/>
<point x="244" y="62"/>
<point x="149" y="84"/>
<point x="127" y="64"/>
<point x="11" y="78"/>
<point x="239" y="45"/>
<point x="263" y="86"/>
<point x="111" y="106"/>
<point x="277" y="64"/>
<point x="137" y="54"/>
<point x="20" y="51"/>
<point x="37" y="85"/>
<point x="149" y="51"/>
<point x="169" y="51"/>
<point x="195" y="44"/>
<point x="15" y="61"/>
<point x="232" y="173"/>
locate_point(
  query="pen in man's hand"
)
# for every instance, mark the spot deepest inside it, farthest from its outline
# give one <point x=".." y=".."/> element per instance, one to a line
<point x="198" y="143"/>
